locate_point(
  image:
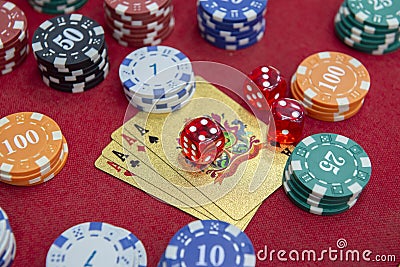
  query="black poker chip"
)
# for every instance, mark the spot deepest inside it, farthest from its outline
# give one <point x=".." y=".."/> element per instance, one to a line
<point x="80" y="86"/>
<point x="68" y="41"/>
<point x="71" y="53"/>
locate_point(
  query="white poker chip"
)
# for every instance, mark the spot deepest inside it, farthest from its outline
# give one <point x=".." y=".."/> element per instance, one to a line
<point x="165" y="107"/>
<point x="155" y="71"/>
<point x="139" y="249"/>
<point x="93" y="244"/>
<point x="160" y="109"/>
<point x="167" y="99"/>
<point x="8" y="244"/>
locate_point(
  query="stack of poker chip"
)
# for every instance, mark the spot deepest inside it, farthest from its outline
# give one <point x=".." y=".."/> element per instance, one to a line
<point x="96" y="244"/>
<point x="8" y="245"/>
<point x="13" y="37"/>
<point x="157" y="79"/>
<point x="331" y="86"/>
<point x="231" y="26"/>
<point x="57" y="6"/>
<point x="326" y="174"/>
<point x="71" y="53"/>
<point x="209" y="243"/>
<point x="34" y="149"/>
<point x="139" y="23"/>
<point x="369" y="26"/>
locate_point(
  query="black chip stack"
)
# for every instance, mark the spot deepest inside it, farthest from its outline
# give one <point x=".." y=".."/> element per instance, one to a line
<point x="71" y="53"/>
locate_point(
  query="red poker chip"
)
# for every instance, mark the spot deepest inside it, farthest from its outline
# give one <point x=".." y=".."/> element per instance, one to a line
<point x="18" y="46"/>
<point x="127" y="29"/>
<point x="135" y="8"/>
<point x="146" y="42"/>
<point x="139" y="22"/>
<point x="12" y="22"/>
<point x="14" y="55"/>
<point x="151" y="35"/>
<point x="4" y="69"/>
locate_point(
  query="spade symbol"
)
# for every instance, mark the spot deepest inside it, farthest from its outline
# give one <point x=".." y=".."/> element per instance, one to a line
<point x="153" y="139"/>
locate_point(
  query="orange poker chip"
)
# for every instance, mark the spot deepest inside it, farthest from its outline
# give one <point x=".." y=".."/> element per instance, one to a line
<point x="29" y="143"/>
<point x="321" y="113"/>
<point x="334" y="117"/>
<point x="297" y="94"/>
<point x="333" y="80"/>
<point x="39" y="179"/>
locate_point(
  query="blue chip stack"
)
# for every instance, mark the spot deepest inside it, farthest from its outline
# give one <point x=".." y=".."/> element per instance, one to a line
<point x="209" y="243"/>
<point x="8" y="246"/>
<point x="229" y="25"/>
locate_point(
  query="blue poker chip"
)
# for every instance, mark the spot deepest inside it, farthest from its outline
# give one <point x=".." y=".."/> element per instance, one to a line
<point x="155" y="71"/>
<point x="233" y="11"/>
<point x="209" y="243"/>
<point x="225" y="25"/>
<point x="239" y="44"/>
<point x="93" y="244"/>
<point x="224" y="36"/>
<point x="244" y="31"/>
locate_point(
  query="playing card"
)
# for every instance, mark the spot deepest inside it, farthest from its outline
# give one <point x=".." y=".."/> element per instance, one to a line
<point x="121" y="173"/>
<point x="249" y="171"/>
<point x="148" y="179"/>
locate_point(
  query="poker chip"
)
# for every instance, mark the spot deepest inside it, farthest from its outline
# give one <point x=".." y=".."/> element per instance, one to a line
<point x="8" y="246"/>
<point x="78" y="60"/>
<point x="332" y="86"/>
<point x="157" y="79"/>
<point x="57" y="6"/>
<point x="33" y="149"/>
<point x="231" y="25"/>
<point x="96" y="244"/>
<point x="13" y="37"/>
<point x="326" y="174"/>
<point x="139" y="23"/>
<point x="369" y="28"/>
<point x="209" y="243"/>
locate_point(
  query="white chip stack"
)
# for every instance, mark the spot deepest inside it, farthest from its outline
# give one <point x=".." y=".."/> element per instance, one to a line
<point x="8" y="246"/>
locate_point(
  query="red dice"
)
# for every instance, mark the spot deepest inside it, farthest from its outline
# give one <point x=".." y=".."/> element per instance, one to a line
<point x="269" y="81"/>
<point x="202" y="140"/>
<point x="288" y="116"/>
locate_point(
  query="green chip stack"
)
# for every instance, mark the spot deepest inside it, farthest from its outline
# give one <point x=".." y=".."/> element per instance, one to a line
<point x="326" y="174"/>
<point x="369" y="26"/>
<point x="57" y="6"/>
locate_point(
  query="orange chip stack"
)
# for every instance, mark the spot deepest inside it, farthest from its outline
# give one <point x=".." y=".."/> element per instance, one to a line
<point x="32" y="149"/>
<point x="332" y="86"/>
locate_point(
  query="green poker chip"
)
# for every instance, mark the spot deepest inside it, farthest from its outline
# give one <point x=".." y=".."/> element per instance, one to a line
<point x="365" y="41"/>
<point x="331" y="166"/>
<point x="380" y="14"/>
<point x="344" y="10"/>
<point x="371" y="49"/>
<point x="57" y="8"/>
<point x="306" y="204"/>
<point x="308" y="197"/>
<point x="354" y="29"/>
<point x="314" y="209"/>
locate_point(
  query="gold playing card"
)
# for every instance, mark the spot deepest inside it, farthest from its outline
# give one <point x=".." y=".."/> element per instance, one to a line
<point x="248" y="171"/>
<point x="107" y="165"/>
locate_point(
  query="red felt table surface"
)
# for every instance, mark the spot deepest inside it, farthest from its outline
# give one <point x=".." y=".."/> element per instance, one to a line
<point x="80" y="193"/>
